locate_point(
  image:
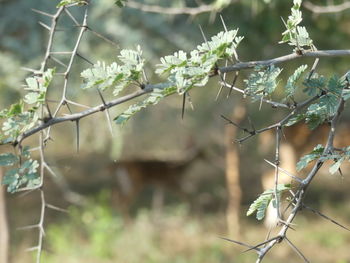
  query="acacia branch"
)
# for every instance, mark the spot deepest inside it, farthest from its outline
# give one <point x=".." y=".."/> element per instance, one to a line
<point x="149" y="88"/>
<point x="299" y="196"/>
<point x="286" y="58"/>
<point x="80" y="115"/>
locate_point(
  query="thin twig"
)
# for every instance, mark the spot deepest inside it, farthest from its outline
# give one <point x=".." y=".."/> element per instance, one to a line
<point x="300" y="254"/>
<point x="325" y="217"/>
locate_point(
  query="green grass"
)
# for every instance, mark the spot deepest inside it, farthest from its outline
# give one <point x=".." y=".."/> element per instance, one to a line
<point x="97" y="234"/>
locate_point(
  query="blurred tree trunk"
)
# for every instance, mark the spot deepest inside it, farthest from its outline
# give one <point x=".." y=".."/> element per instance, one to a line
<point x="232" y="173"/>
<point x="4" y="235"/>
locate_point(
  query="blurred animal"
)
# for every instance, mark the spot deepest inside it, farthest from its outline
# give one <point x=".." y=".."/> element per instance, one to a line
<point x="133" y="176"/>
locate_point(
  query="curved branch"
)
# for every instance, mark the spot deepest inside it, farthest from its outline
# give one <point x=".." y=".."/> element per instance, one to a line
<point x="326" y="9"/>
<point x="79" y="115"/>
<point x="285" y="58"/>
<point x="193" y="11"/>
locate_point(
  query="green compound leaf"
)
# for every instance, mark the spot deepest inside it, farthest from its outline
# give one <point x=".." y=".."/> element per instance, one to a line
<point x="314" y="85"/>
<point x="327" y="105"/>
<point x="183" y="73"/>
<point x="296" y="35"/>
<point x="102" y="76"/>
<point x="295" y="119"/>
<point x="262" y="82"/>
<point x="7" y="159"/>
<point x="223" y="45"/>
<point x="179" y="59"/>
<point x="120" y="3"/>
<point x="25" y="176"/>
<point x="16" y="109"/>
<point x="262" y="202"/>
<point x="38" y="87"/>
<point x="306" y="159"/>
<point x="186" y="73"/>
<point x="155" y="96"/>
<point x="117" y="76"/>
<point x="291" y="87"/>
<point x="32" y="97"/>
<point x="346" y="94"/>
<point x="336" y="165"/>
<point x="70" y="2"/>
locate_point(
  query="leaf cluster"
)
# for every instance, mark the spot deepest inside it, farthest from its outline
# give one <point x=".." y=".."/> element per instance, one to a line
<point x="19" y="117"/>
<point x="262" y="82"/>
<point x="262" y="202"/>
<point x="324" y="108"/>
<point x="24" y="175"/>
<point x="186" y="72"/>
<point x="116" y="76"/>
<point x="294" y="34"/>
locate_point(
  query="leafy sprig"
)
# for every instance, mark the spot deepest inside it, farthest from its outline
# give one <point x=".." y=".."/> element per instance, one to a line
<point x="262" y="202"/>
<point x="117" y="76"/>
<point x="294" y="34"/>
<point x="24" y="174"/>
<point x="184" y="72"/>
<point x="21" y="117"/>
<point x="291" y="85"/>
<point x="262" y="82"/>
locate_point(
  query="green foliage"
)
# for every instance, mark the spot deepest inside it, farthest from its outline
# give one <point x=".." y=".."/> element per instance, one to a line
<point x="99" y="235"/>
<point x="295" y="119"/>
<point x="326" y="106"/>
<point x="262" y="82"/>
<point x="291" y="86"/>
<point x="306" y="159"/>
<point x="314" y="85"/>
<point x="8" y="159"/>
<point x="153" y="99"/>
<point x="24" y="175"/>
<point x="120" y="3"/>
<point x="184" y="72"/>
<point x="338" y="158"/>
<point x="17" y="119"/>
<point x="262" y="202"/>
<point x="71" y="2"/>
<point x="116" y="76"/>
<point x="296" y="35"/>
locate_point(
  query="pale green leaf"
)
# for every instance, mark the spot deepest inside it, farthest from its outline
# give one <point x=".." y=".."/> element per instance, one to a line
<point x="335" y="166"/>
<point x="306" y="159"/>
<point x="8" y="159"/>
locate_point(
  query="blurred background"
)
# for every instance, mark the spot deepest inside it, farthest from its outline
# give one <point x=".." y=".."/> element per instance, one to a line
<point x="156" y="190"/>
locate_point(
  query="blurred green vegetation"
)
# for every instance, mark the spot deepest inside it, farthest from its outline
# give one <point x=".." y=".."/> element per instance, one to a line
<point x="96" y="233"/>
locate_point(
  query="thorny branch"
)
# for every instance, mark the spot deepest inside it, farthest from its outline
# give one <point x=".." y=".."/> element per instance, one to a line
<point x="55" y="119"/>
<point x="43" y="164"/>
<point x="300" y="194"/>
<point x="149" y="88"/>
<point x="302" y="188"/>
